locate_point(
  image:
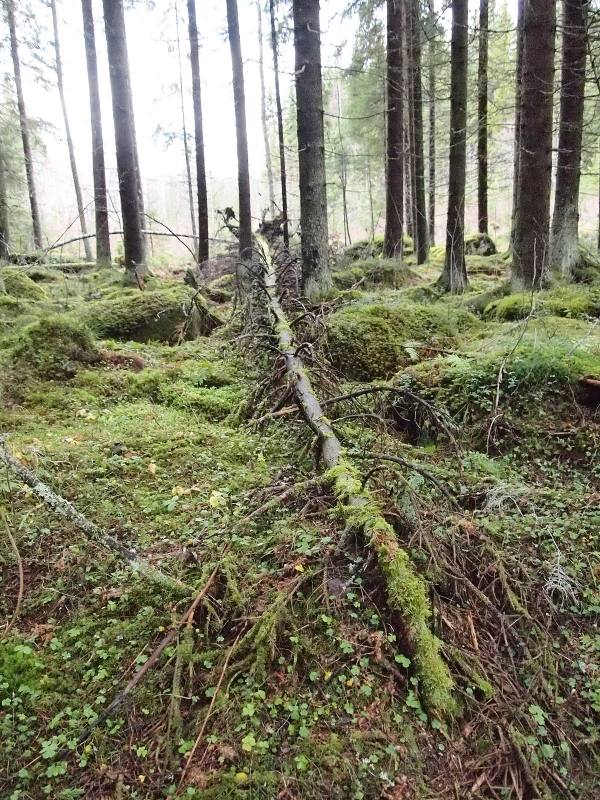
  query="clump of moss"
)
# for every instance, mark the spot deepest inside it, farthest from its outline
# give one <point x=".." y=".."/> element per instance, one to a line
<point x="55" y="347"/>
<point x="164" y="315"/>
<point x="373" y="248"/>
<point x="18" y="285"/>
<point x="375" y="272"/>
<point x="221" y="290"/>
<point x="564" y="301"/>
<point x="369" y="340"/>
<point x="480" y="244"/>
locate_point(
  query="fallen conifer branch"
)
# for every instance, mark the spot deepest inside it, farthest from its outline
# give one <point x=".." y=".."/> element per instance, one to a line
<point x="406" y="591"/>
<point x="93" y="532"/>
<point x="15" y="550"/>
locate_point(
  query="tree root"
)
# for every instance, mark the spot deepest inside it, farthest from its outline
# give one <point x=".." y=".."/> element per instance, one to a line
<point x="406" y="591"/>
<point x="66" y="509"/>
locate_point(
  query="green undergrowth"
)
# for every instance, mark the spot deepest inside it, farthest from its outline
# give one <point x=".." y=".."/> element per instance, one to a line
<point x="573" y="301"/>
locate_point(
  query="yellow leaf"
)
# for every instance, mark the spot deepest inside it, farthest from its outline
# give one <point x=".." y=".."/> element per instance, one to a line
<point x="81" y="413"/>
<point x="299" y="568"/>
<point x="152" y="468"/>
<point x="327" y="675"/>
<point x="241" y="777"/>
<point x="141" y="778"/>
<point x="178" y="490"/>
<point x="350" y="682"/>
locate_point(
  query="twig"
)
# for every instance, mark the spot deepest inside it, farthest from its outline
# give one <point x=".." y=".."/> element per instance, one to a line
<point x="15" y="549"/>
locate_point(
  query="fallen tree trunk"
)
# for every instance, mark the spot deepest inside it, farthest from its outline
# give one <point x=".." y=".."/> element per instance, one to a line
<point x="66" y="509"/>
<point x="406" y="591"/>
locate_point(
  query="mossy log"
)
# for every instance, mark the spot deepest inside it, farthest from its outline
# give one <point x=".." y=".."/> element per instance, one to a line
<point x="406" y="590"/>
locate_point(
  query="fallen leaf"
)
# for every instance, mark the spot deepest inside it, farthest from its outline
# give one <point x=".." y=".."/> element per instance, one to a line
<point x="152" y="468"/>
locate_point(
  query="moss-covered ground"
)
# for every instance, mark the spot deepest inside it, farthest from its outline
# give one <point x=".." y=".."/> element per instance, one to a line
<point x="306" y="673"/>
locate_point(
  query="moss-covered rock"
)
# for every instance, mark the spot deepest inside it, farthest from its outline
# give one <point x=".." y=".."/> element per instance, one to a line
<point x="372" y="340"/>
<point x="565" y="301"/>
<point x="164" y="315"/>
<point x="17" y="284"/>
<point x="373" y="248"/>
<point x="480" y="244"/>
<point x="374" y="272"/>
<point x="55" y="347"/>
<point x="221" y="290"/>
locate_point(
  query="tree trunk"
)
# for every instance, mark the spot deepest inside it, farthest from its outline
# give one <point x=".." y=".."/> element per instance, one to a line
<point x="422" y="249"/>
<point x="482" y="118"/>
<point x="394" y="214"/>
<point x="61" y="91"/>
<point x="564" y="235"/>
<point x="103" y="258"/>
<point x="245" y="218"/>
<point x="343" y="167"/>
<point x="4" y="219"/>
<point x="186" y="149"/>
<point x="316" y="271"/>
<point x="280" y="136"/>
<point x="263" y="113"/>
<point x="24" y="125"/>
<point x="532" y="217"/>
<point x="432" y="124"/>
<point x="454" y="276"/>
<point x="518" y="96"/>
<point x="127" y="163"/>
<point x="411" y="194"/>
<point x="203" y="242"/>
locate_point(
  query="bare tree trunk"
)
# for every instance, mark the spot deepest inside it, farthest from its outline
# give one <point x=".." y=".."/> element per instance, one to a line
<point x="422" y="249"/>
<point x="61" y="91"/>
<point x="454" y="276"/>
<point x="203" y="241"/>
<point x="394" y="214"/>
<point x="343" y="167"/>
<point x="280" y="136"/>
<point x="564" y="235"/>
<point x="432" y="132"/>
<point x="316" y="271"/>
<point x="482" y="118"/>
<point x="103" y="258"/>
<point x="518" y="100"/>
<point x="411" y="194"/>
<point x="186" y="149"/>
<point x="532" y="218"/>
<point x="24" y="125"/>
<point x="598" y="245"/>
<point x="4" y="218"/>
<point x="245" y="218"/>
<point x="263" y="112"/>
<point x="127" y="163"/>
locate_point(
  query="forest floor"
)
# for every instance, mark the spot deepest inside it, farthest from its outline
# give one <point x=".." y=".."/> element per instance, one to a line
<point x="293" y="653"/>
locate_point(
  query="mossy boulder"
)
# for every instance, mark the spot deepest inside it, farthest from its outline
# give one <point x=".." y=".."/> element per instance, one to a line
<point x="55" y="347"/>
<point x="565" y="301"/>
<point x="163" y="315"/>
<point x="372" y="340"/>
<point x="221" y="290"/>
<point x="480" y="244"/>
<point x="374" y="272"/>
<point x="18" y="285"/>
<point x="373" y="248"/>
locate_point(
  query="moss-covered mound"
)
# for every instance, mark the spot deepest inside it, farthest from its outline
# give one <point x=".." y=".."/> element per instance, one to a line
<point x="54" y="347"/>
<point x="480" y="244"/>
<point x="164" y="315"/>
<point x="372" y="340"/>
<point x="374" y="272"/>
<point x="221" y="290"/>
<point x="564" y="301"/>
<point x="373" y="248"/>
<point x="17" y="284"/>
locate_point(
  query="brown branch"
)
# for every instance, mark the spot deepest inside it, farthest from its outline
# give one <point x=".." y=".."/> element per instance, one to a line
<point x="15" y="549"/>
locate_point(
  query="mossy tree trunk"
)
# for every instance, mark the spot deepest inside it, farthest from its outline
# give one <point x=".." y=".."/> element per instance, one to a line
<point x="564" y="234"/>
<point x="454" y="275"/>
<point x="394" y="179"/>
<point x="482" y="118"/>
<point x="203" y="251"/>
<point x="422" y="232"/>
<point x="280" y="134"/>
<point x="532" y="216"/>
<point x="103" y="258"/>
<point x="518" y="93"/>
<point x="127" y="161"/>
<point x="316" y="270"/>
<point x="432" y="128"/>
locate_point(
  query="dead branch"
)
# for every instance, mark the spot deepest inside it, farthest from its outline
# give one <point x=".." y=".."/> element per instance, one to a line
<point x="15" y="549"/>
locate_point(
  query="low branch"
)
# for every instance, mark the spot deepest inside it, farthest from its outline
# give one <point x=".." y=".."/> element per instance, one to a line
<point x="66" y="509"/>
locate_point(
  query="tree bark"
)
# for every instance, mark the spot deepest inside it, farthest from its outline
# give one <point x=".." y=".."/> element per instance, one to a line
<point x="203" y="251"/>
<point x="564" y="234"/>
<point x="103" y="258"/>
<point x="24" y="125"/>
<point x="454" y="276"/>
<point x="532" y="217"/>
<point x="127" y="162"/>
<point x="280" y="135"/>
<point x="4" y="217"/>
<point x="432" y="132"/>
<point x="482" y="118"/>
<point x="186" y="149"/>
<point x="316" y="271"/>
<point x="422" y="248"/>
<point x="61" y="91"/>
<point x="245" y="217"/>
<point x="263" y="112"/>
<point x="518" y="99"/>
<point x="394" y="214"/>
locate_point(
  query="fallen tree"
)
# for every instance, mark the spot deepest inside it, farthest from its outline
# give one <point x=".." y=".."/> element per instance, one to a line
<point x="406" y="590"/>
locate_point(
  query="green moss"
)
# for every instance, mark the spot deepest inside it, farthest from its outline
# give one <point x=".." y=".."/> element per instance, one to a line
<point x="151" y="316"/>
<point x="373" y="248"/>
<point x="17" y="284"/>
<point x="564" y="301"/>
<point x="367" y="341"/>
<point x="54" y="347"/>
<point x="480" y="244"/>
<point x="221" y="290"/>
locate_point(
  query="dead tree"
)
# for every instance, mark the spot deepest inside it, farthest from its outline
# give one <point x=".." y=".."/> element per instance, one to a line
<point x="394" y="179"/>
<point x="263" y="112"/>
<point x="186" y="149"/>
<point x="280" y="134"/>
